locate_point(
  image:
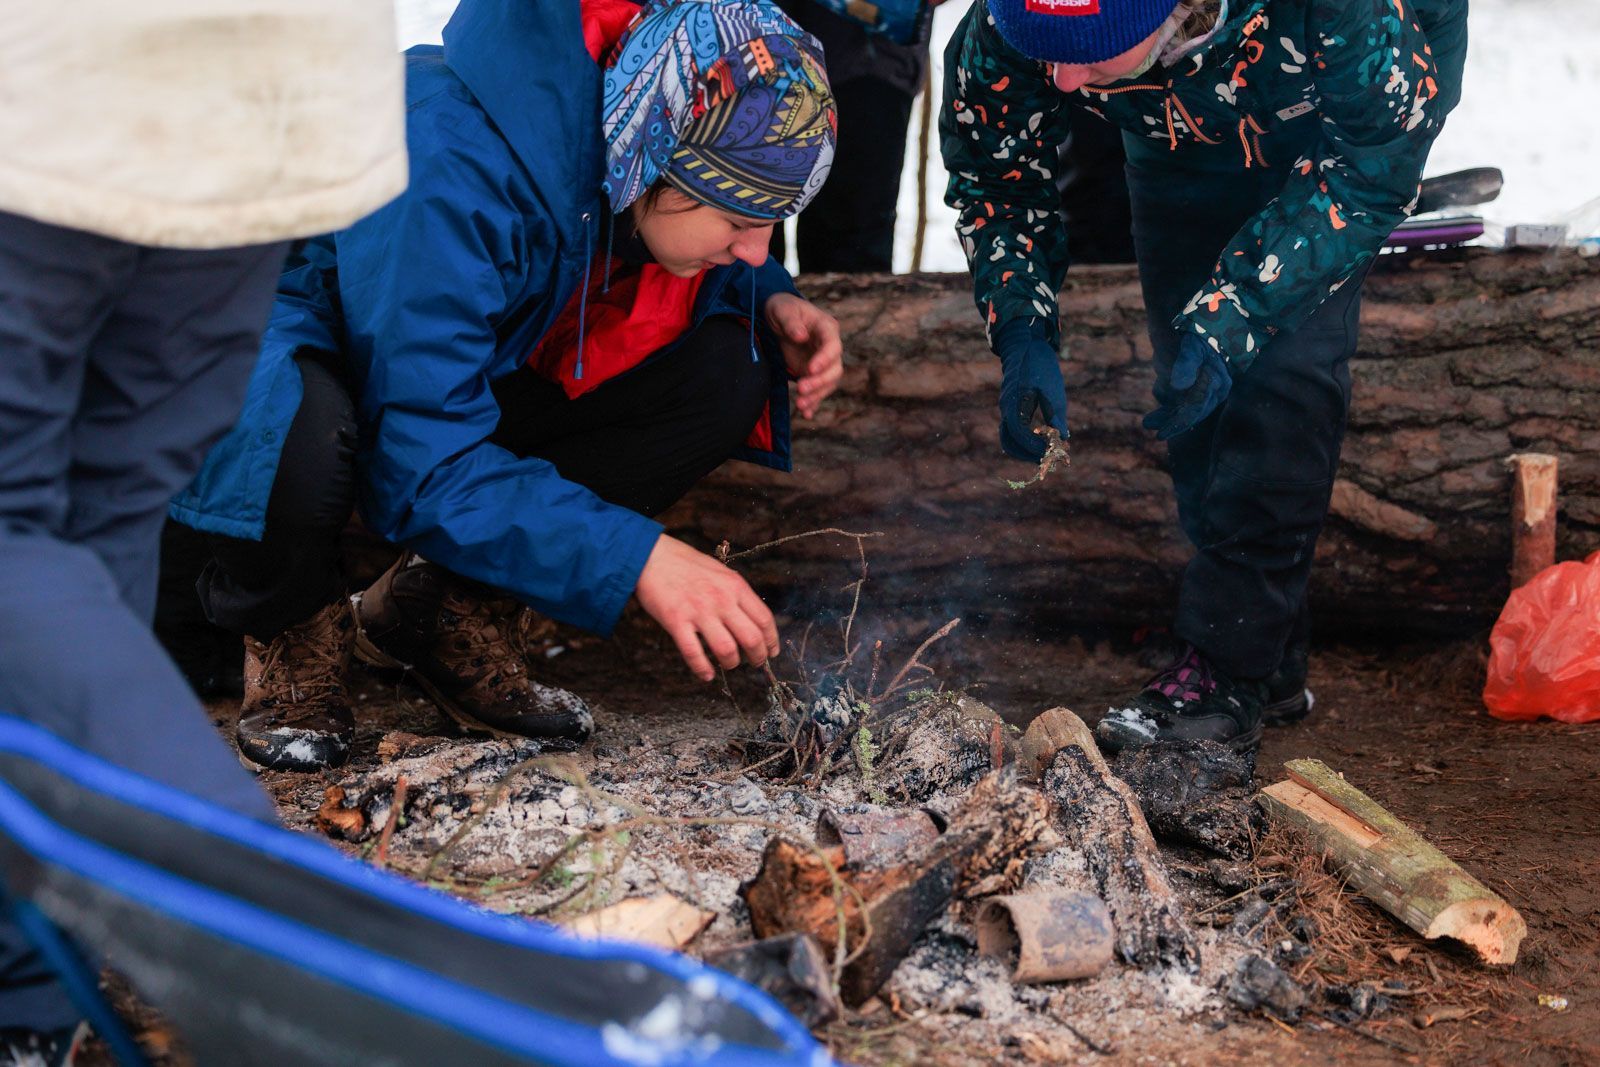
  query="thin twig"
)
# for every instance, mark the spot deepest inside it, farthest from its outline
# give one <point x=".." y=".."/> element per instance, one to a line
<point x="381" y="858"/>
<point x="795" y="537"/>
<point x="942" y="632"/>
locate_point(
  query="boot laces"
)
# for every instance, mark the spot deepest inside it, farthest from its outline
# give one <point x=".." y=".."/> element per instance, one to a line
<point x="482" y="630"/>
<point x="304" y="665"/>
<point x="1188" y="678"/>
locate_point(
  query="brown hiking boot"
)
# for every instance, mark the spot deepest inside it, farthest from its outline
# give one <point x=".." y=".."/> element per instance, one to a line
<point x="460" y="642"/>
<point x="296" y="711"/>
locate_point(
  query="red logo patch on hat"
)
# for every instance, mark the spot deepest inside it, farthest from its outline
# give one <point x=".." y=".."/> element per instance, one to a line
<point x="1063" y="7"/>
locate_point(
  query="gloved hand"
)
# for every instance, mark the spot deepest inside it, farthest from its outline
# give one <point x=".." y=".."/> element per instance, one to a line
<point x="1197" y="386"/>
<point x="1031" y="384"/>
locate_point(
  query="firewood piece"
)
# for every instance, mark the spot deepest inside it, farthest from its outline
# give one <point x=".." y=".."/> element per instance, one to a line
<point x="982" y="851"/>
<point x="437" y="771"/>
<point x="1099" y="816"/>
<point x="1193" y="793"/>
<point x="949" y="745"/>
<point x="1047" y="936"/>
<point x="1391" y="864"/>
<point x="1533" y="514"/>
<point x="791" y="969"/>
<point x="662" y="920"/>
<point x="876" y="838"/>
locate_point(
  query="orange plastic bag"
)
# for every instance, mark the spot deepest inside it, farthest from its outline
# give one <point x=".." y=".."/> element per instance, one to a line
<point x="1544" y="652"/>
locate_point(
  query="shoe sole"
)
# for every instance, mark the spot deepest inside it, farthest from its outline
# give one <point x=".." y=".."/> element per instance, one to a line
<point x="1290" y="710"/>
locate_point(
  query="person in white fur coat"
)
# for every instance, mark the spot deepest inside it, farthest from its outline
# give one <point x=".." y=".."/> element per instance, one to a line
<point x="156" y="158"/>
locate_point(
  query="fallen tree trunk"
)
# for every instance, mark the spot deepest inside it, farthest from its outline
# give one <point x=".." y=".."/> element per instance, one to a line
<point x="1461" y="364"/>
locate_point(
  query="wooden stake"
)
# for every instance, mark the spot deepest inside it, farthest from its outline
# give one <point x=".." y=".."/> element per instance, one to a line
<point x="1391" y="864"/>
<point x="1533" y="514"/>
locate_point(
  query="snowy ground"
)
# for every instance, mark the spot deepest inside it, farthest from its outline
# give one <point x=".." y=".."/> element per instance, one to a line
<point x="1533" y="80"/>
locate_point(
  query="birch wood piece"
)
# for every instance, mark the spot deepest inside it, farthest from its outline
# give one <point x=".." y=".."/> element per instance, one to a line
<point x="1533" y="514"/>
<point x="1047" y="935"/>
<point x="1097" y="814"/>
<point x="1391" y="864"/>
<point x="662" y="920"/>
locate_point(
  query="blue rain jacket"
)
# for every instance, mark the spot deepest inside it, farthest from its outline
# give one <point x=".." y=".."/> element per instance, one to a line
<point x="446" y="290"/>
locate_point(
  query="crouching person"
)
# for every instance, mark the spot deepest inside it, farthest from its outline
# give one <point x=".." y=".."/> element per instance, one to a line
<point x="569" y="319"/>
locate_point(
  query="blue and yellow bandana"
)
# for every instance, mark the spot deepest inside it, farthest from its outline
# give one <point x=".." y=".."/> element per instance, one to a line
<point x="725" y="99"/>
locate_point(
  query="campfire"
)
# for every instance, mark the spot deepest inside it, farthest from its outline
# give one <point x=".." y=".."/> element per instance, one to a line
<point x="876" y="845"/>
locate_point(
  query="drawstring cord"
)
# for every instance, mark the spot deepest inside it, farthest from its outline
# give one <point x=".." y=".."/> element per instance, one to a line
<point x="755" y="354"/>
<point x="583" y="292"/>
<point x="611" y="234"/>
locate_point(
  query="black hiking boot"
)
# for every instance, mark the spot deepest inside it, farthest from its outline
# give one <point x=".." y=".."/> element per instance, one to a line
<point x="296" y="712"/>
<point x="1287" y="699"/>
<point x="463" y="644"/>
<point x="1190" y="700"/>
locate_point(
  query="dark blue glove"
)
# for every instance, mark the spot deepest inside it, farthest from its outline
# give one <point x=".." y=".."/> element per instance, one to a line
<point x="1031" y="384"/>
<point x="1197" y="386"/>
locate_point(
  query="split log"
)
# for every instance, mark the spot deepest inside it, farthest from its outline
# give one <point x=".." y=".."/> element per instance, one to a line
<point x="1461" y="363"/>
<point x="1391" y="864"/>
<point x="1533" y="515"/>
<point x="981" y="852"/>
<point x="1098" y="815"/>
<point x="662" y="920"/>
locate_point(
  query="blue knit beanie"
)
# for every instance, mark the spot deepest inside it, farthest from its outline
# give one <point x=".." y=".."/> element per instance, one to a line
<point x="1077" y="31"/>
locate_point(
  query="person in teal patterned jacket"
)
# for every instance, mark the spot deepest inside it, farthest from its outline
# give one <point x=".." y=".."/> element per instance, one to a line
<point x="1272" y="147"/>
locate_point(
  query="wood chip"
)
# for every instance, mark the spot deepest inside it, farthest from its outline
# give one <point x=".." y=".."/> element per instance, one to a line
<point x="662" y="920"/>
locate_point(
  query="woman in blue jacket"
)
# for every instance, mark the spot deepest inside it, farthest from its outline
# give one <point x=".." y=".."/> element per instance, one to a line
<point x="568" y="319"/>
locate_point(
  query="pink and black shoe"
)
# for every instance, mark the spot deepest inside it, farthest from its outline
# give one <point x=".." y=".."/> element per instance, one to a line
<point x="1190" y="700"/>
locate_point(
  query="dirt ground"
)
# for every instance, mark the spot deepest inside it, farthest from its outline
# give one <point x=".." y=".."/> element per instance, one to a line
<point x="1517" y="805"/>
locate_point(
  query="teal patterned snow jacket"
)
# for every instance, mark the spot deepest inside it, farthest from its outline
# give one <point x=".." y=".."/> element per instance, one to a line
<point x="1378" y="75"/>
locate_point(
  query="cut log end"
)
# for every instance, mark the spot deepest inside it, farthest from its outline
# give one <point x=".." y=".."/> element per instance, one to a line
<point x="1487" y="925"/>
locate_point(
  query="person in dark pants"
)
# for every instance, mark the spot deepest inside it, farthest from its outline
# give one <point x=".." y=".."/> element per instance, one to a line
<point x="546" y="341"/>
<point x="1271" y="149"/>
<point x="849" y="227"/>
<point x="137" y="263"/>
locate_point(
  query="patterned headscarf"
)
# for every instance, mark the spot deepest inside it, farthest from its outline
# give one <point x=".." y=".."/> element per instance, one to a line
<point x="726" y="99"/>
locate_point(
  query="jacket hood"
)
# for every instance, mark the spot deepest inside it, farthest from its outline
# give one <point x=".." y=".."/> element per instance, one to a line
<point x="525" y="62"/>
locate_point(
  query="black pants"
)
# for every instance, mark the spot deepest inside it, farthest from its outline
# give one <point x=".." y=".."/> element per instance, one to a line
<point x="850" y="225"/>
<point x="639" y="441"/>
<point x="1254" y="479"/>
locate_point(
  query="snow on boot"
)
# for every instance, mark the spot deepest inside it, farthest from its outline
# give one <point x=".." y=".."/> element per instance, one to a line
<point x="459" y="642"/>
<point x="1187" y="701"/>
<point x="296" y="712"/>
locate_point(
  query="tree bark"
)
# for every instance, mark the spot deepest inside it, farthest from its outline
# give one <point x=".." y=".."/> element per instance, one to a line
<point x="1389" y="862"/>
<point x="1461" y="363"/>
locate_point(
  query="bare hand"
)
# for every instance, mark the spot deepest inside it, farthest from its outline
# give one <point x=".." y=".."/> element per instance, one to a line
<point x="811" y="348"/>
<point x="698" y="600"/>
